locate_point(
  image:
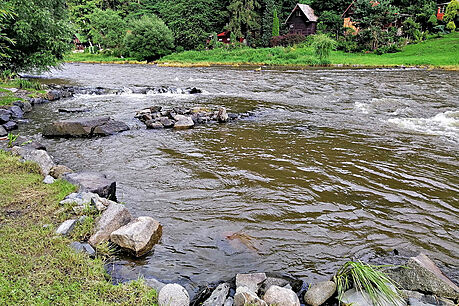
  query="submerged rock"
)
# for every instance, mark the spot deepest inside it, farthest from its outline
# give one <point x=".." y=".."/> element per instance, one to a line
<point x="85" y="127"/>
<point x="173" y="295"/>
<point x="138" y="236"/>
<point x="93" y="182"/>
<point x="114" y="217"/>
<point x="319" y="293"/>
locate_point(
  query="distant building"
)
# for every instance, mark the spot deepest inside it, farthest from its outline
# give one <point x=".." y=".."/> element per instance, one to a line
<point x="302" y="20"/>
<point x="225" y="37"/>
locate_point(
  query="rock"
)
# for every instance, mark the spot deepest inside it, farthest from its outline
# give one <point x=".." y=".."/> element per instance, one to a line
<point x="183" y="122"/>
<point x="10" y="125"/>
<point x="166" y="122"/>
<point x="53" y="95"/>
<point x="32" y="145"/>
<point x="222" y="116"/>
<point x="39" y="156"/>
<point x="48" y="179"/>
<point x="66" y="227"/>
<point x="83" y="248"/>
<point x="16" y="112"/>
<point x="155" y="109"/>
<point x="193" y="90"/>
<point x="73" y="110"/>
<point x="84" y="127"/>
<point x="232" y="116"/>
<point x="27" y="107"/>
<point x="419" y="299"/>
<point x="218" y="296"/>
<point x="93" y="182"/>
<point x="271" y="281"/>
<point x="19" y="103"/>
<point x="114" y="217"/>
<point x="5" y="115"/>
<point x="229" y="302"/>
<point x="36" y="101"/>
<point x="59" y="171"/>
<point x="281" y="297"/>
<point x="421" y="274"/>
<point x="252" y="280"/>
<point x="357" y="298"/>
<point x="151" y="124"/>
<point x="138" y="236"/>
<point x="3" y="132"/>
<point x="154" y="283"/>
<point x="173" y="295"/>
<point x="319" y="293"/>
<point x="245" y="296"/>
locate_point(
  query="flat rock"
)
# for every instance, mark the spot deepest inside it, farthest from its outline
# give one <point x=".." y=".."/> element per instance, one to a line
<point x="59" y="171"/>
<point x="114" y="217"/>
<point x="421" y="274"/>
<point x="319" y="293"/>
<point x="154" y="283"/>
<point x="84" y="127"/>
<point x="183" y="122"/>
<point x="357" y="298"/>
<point x="218" y="296"/>
<point x="3" y="132"/>
<point x="5" y="115"/>
<point x="138" y="236"/>
<point x="10" y="125"/>
<point x="251" y="280"/>
<point x="66" y="227"/>
<point x="280" y="296"/>
<point x="16" y="112"/>
<point x="151" y="124"/>
<point x="166" y="122"/>
<point x="244" y="296"/>
<point x="173" y="295"/>
<point x="83" y="248"/>
<point x="41" y="157"/>
<point x="93" y="182"/>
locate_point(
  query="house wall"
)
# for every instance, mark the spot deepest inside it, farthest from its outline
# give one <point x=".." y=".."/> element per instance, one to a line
<point x="298" y="25"/>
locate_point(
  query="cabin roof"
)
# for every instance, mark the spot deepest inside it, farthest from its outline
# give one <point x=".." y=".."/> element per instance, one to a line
<point x="307" y="11"/>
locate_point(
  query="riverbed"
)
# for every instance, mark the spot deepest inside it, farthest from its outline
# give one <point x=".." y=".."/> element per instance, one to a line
<point x="334" y="165"/>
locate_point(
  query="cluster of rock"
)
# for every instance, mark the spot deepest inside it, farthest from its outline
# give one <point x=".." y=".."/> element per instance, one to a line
<point x="85" y="127"/>
<point x="10" y="116"/>
<point x="155" y="117"/>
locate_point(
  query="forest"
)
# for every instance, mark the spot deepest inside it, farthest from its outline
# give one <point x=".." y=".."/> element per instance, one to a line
<point x="35" y="34"/>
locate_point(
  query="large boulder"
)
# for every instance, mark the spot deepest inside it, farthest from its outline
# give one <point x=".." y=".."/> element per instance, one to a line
<point x="218" y="296"/>
<point x="114" y="217"/>
<point x="84" y="127"/>
<point x="281" y="297"/>
<point x="41" y="157"/>
<point x="138" y="236"/>
<point x="421" y="274"/>
<point x="319" y="293"/>
<point x="93" y="182"/>
<point x="173" y="295"/>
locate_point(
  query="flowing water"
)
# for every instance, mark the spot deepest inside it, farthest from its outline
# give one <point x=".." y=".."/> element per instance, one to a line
<point x="335" y="164"/>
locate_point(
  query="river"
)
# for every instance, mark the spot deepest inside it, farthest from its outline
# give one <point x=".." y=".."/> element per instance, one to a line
<point x="335" y="164"/>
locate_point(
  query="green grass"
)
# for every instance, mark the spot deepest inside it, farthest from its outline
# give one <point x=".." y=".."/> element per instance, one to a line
<point x="436" y="52"/>
<point x="37" y="267"/>
<point x="7" y="97"/>
<point x="97" y="58"/>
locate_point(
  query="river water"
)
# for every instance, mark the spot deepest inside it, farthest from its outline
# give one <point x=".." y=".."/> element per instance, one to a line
<point x="335" y="164"/>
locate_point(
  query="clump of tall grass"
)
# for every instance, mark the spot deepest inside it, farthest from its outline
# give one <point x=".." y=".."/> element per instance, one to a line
<point x="367" y="278"/>
<point x="28" y="84"/>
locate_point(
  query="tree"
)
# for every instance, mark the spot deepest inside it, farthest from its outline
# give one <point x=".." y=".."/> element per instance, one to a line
<point x="330" y="22"/>
<point x="149" y="39"/>
<point x="451" y="13"/>
<point x="5" y="14"/>
<point x="275" y="24"/>
<point x="107" y="28"/>
<point x="243" y="17"/>
<point x="323" y="45"/>
<point x="41" y="33"/>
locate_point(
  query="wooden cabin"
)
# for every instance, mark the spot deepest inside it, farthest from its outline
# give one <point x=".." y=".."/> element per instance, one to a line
<point x="302" y="20"/>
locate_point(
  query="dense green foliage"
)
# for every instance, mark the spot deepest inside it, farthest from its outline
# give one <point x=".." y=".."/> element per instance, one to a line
<point x="323" y="46"/>
<point x="40" y="31"/>
<point x="148" y="39"/>
<point x="107" y="28"/>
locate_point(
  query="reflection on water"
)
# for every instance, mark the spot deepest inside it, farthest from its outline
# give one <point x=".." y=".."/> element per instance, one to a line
<point x="335" y="164"/>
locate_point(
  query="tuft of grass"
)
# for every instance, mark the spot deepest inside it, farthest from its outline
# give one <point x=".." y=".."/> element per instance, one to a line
<point x="367" y="278"/>
<point x="37" y="267"/>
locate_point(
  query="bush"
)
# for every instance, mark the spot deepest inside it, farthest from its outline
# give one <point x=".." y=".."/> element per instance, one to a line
<point x="323" y="45"/>
<point x="388" y="49"/>
<point x="287" y="40"/>
<point x="451" y="26"/>
<point x="149" y="39"/>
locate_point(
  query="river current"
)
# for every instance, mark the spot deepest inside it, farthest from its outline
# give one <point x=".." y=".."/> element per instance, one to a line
<point x="335" y="164"/>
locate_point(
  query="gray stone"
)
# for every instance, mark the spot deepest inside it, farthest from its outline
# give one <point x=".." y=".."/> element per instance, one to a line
<point x="319" y="293"/>
<point x="16" y="112"/>
<point x="252" y="280"/>
<point x="5" y="115"/>
<point x="166" y="122"/>
<point x="48" y="179"/>
<point x="31" y="145"/>
<point x="421" y="274"/>
<point x="153" y="125"/>
<point x="83" y="248"/>
<point x="114" y="217"/>
<point x="10" y="125"/>
<point x="3" y="132"/>
<point x="173" y="295"/>
<point x="244" y="296"/>
<point x="419" y="299"/>
<point x="271" y="281"/>
<point x="229" y="302"/>
<point x="59" y="171"/>
<point x="218" y="296"/>
<point x="281" y="297"/>
<point x="27" y="107"/>
<point x="93" y="182"/>
<point x="84" y="127"/>
<point x="357" y="298"/>
<point x="66" y="227"/>
<point x="222" y="116"/>
<point x="154" y="283"/>
<point x="183" y="122"/>
<point x="41" y="157"/>
<point x="138" y="236"/>
<point x="53" y="95"/>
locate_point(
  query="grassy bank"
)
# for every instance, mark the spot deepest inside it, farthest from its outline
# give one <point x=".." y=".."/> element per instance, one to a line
<point x="437" y="52"/>
<point x="27" y="89"/>
<point x="36" y="265"/>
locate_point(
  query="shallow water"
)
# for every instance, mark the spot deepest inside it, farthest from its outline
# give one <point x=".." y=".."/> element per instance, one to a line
<point x="336" y="164"/>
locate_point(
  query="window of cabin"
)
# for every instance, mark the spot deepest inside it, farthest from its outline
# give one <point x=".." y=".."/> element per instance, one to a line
<point x="297" y="13"/>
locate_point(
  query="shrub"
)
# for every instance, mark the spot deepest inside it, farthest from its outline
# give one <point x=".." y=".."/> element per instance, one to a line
<point x="451" y="26"/>
<point x="388" y="49"/>
<point x="287" y="40"/>
<point x="323" y="45"/>
<point x="149" y="39"/>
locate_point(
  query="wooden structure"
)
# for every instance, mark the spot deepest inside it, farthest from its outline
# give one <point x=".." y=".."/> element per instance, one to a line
<point x="441" y="8"/>
<point x="77" y="42"/>
<point x="302" y="20"/>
